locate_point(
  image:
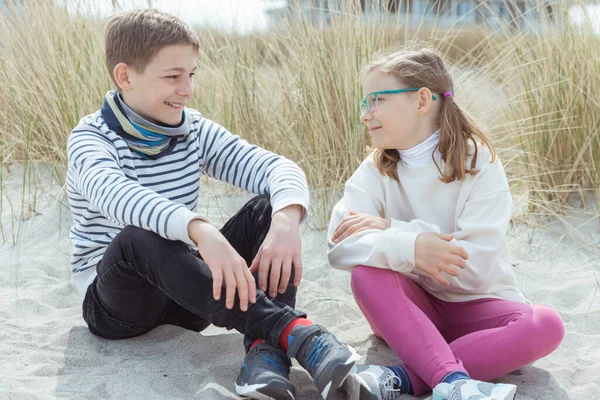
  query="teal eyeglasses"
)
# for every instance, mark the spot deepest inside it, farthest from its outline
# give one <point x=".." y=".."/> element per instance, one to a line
<point x="371" y="101"/>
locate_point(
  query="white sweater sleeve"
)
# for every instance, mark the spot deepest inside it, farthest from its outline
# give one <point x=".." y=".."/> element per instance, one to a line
<point x="481" y="230"/>
<point x="416" y="226"/>
<point x="390" y="249"/>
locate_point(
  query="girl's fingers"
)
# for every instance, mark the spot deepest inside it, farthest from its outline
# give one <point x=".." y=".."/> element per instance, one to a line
<point x="437" y="275"/>
<point x="459" y="251"/>
<point x="451" y="270"/>
<point x="458" y="261"/>
<point x="351" y="230"/>
<point x="446" y="236"/>
<point x="346" y="222"/>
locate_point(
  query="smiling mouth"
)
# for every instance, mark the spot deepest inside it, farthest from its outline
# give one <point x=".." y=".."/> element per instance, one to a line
<point x="177" y="106"/>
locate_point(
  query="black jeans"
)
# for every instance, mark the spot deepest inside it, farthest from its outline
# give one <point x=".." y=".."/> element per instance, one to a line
<point x="145" y="280"/>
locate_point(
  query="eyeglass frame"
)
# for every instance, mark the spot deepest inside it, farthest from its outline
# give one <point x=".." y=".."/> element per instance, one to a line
<point x="363" y="102"/>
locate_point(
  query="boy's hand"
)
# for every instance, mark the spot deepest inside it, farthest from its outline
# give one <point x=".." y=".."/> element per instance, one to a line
<point x="358" y="222"/>
<point x="434" y="253"/>
<point x="280" y="252"/>
<point x="224" y="263"/>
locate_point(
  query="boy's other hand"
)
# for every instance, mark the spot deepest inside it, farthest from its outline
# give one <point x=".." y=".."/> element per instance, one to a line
<point x="280" y="252"/>
<point x="434" y="254"/>
<point x="357" y="222"/>
<point x="225" y="264"/>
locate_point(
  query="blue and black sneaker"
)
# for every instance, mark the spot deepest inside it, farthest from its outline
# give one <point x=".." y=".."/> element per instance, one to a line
<point x="323" y="356"/>
<point x="265" y="374"/>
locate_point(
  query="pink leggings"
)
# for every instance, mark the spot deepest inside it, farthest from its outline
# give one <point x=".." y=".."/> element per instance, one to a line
<point x="485" y="338"/>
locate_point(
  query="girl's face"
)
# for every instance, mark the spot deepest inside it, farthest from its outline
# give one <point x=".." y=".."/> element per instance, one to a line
<point x="394" y="121"/>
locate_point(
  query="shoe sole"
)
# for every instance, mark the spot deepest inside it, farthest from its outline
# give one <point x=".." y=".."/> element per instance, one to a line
<point x="274" y="390"/>
<point x="356" y="388"/>
<point x="507" y="392"/>
<point x="339" y="374"/>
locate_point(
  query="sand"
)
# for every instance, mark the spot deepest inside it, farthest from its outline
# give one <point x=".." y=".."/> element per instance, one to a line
<point x="47" y="352"/>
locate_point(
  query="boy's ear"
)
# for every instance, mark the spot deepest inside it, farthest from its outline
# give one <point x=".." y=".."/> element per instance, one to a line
<point x="425" y="99"/>
<point x="121" y="74"/>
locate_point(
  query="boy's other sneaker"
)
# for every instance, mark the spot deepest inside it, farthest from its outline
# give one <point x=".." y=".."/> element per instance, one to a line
<point x="326" y="359"/>
<point x="265" y="374"/>
<point x="471" y="389"/>
<point x="372" y="382"/>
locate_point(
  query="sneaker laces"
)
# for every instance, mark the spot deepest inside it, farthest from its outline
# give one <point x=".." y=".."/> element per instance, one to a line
<point x="274" y="364"/>
<point x="389" y="386"/>
<point x="317" y="353"/>
<point x="455" y="393"/>
<point x="270" y="359"/>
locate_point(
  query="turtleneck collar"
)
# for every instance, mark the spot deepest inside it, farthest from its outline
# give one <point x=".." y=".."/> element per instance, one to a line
<point x="420" y="154"/>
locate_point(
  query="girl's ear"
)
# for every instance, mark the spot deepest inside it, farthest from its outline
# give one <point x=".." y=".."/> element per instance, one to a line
<point x="425" y="99"/>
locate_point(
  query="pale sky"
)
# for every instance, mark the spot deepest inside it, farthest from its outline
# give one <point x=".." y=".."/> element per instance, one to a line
<point x="239" y="15"/>
<point x="244" y="15"/>
<point x="579" y="16"/>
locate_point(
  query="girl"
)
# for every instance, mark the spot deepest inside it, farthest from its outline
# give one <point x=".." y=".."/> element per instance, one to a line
<point x="422" y="228"/>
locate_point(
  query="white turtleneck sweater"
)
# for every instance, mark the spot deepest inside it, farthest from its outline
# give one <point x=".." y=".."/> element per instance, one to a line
<point x="420" y="154"/>
<point x="477" y="209"/>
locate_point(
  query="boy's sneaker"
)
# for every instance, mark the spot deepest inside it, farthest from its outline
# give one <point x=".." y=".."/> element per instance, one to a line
<point x="265" y="374"/>
<point x="372" y="382"/>
<point x="326" y="359"/>
<point x="471" y="389"/>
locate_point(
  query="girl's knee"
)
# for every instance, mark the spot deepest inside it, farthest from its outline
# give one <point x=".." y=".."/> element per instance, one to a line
<point x="551" y="326"/>
<point x="546" y="330"/>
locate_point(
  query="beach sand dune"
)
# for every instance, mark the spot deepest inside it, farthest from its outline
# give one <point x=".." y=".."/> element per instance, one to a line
<point x="47" y="352"/>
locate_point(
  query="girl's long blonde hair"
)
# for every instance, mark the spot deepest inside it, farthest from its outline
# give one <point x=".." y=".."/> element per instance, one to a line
<point x="425" y="68"/>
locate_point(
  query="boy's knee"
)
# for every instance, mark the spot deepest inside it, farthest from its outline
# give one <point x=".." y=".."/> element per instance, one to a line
<point x="136" y="239"/>
<point x="133" y="234"/>
<point x="261" y="204"/>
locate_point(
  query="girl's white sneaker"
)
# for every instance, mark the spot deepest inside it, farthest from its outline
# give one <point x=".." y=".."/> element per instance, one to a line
<point x="470" y="389"/>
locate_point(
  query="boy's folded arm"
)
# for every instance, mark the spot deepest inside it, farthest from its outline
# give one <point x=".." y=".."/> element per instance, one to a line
<point x="100" y="180"/>
<point x="229" y="158"/>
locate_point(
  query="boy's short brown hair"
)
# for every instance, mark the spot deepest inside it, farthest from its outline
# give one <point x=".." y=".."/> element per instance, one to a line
<point x="134" y="37"/>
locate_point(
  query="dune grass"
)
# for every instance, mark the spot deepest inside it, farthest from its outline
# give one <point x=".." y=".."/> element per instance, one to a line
<point x="295" y="91"/>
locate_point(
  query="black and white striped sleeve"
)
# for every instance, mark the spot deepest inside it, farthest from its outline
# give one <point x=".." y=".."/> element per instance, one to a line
<point x="99" y="179"/>
<point x="229" y="158"/>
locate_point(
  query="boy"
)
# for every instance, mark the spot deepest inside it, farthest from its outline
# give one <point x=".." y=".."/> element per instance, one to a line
<point x="133" y="181"/>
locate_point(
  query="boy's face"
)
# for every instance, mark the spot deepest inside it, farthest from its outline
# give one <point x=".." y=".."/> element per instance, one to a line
<point x="160" y="92"/>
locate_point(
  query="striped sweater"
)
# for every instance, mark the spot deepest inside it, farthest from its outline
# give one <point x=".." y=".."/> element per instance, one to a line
<point x="109" y="186"/>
